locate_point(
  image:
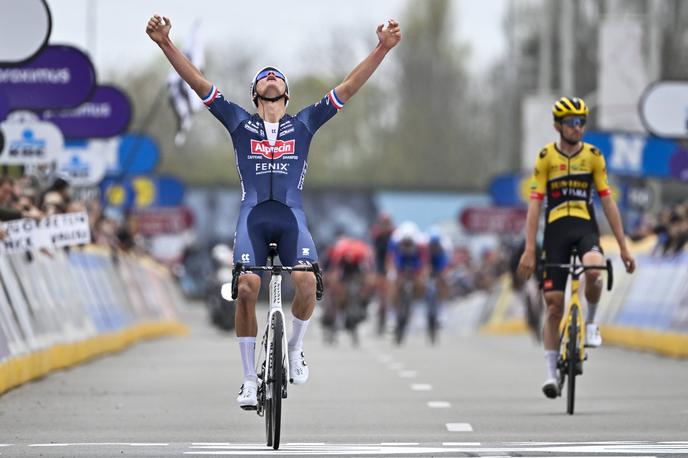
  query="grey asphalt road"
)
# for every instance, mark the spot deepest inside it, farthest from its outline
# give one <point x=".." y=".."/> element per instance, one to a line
<point x="470" y="395"/>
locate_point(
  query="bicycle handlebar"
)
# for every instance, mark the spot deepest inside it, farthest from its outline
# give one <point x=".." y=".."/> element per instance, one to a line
<point x="277" y="269"/>
<point x="576" y="269"/>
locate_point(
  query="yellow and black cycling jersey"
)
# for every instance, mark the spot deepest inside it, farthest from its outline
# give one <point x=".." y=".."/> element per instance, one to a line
<point x="567" y="181"/>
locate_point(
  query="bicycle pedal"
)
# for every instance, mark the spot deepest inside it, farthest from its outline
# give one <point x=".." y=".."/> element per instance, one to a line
<point x="249" y="407"/>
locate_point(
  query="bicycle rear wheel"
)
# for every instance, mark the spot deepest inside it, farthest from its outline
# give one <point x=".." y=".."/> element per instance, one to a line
<point x="403" y="312"/>
<point x="277" y="379"/>
<point x="572" y="360"/>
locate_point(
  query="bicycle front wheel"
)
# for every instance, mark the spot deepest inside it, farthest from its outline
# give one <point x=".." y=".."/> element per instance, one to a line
<point x="277" y="379"/>
<point x="572" y="360"/>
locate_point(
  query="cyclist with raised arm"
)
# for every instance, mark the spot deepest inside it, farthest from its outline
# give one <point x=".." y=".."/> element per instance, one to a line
<point x="271" y="151"/>
<point x="565" y="172"/>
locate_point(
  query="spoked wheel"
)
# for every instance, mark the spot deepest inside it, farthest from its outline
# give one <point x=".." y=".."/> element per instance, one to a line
<point x="572" y="361"/>
<point x="273" y="409"/>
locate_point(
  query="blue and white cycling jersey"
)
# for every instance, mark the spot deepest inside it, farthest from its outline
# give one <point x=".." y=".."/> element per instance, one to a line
<point x="272" y="171"/>
<point x="272" y="175"/>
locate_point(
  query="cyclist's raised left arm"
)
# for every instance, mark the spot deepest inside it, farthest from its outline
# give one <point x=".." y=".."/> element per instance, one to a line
<point x="388" y="38"/>
<point x="158" y="29"/>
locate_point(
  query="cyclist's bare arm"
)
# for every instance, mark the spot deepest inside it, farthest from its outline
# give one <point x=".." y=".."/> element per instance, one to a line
<point x="388" y="38"/>
<point x="526" y="265"/>
<point x="611" y="211"/>
<point x="158" y="29"/>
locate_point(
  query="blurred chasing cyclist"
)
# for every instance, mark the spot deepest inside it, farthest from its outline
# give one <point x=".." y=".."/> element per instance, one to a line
<point x="408" y="272"/>
<point x="381" y="234"/>
<point x="565" y="172"/>
<point x="437" y="289"/>
<point x="271" y="151"/>
<point x="350" y="285"/>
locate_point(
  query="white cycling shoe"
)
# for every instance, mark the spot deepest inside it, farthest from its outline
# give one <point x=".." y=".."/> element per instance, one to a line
<point x="551" y="388"/>
<point x="248" y="396"/>
<point x="593" y="339"/>
<point x="298" y="369"/>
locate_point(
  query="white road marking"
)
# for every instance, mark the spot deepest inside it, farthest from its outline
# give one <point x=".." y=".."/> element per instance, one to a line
<point x="459" y="427"/>
<point x="395" y="366"/>
<point x="407" y="374"/>
<point x="439" y="405"/>
<point x="399" y="443"/>
<point x="211" y="444"/>
<point x="461" y="444"/>
<point x="421" y="387"/>
<point x="303" y="444"/>
<point x="383" y="358"/>
<point x="149" y="444"/>
<point x="50" y="445"/>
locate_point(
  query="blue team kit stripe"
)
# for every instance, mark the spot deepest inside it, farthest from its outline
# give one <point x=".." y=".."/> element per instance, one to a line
<point x="335" y="101"/>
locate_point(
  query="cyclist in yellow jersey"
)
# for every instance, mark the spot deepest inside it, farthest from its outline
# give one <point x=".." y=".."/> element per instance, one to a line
<point x="565" y="172"/>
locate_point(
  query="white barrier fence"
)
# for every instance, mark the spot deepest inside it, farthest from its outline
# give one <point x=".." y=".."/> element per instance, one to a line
<point x="647" y="310"/>
<point x="60" y="308"/>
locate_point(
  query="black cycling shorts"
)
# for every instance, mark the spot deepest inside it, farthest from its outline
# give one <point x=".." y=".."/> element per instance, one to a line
<point x="561" y="237"/>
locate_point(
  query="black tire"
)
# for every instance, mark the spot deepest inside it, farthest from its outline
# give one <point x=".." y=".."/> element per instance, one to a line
<point x="404" y="313"/>
<point x="268" y="422"/>
<point x="573" y="357"/>
<point x="277" y="380"/>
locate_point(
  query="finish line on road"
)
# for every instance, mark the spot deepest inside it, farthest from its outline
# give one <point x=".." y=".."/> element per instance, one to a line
<point x="616" y="449"/>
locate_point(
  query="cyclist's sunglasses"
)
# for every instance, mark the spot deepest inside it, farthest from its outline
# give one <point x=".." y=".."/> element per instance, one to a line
<point x="574" y="121"/>
<point x="267" y="71"/>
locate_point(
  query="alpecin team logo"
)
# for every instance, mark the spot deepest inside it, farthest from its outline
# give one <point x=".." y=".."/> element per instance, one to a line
<point x="279" y="149"/>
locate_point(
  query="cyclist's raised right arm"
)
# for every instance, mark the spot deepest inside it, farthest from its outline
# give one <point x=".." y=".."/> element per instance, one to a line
<point x="158" y="29"/>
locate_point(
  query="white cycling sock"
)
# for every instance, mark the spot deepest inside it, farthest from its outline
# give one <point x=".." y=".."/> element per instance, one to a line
<point x="592" y="309"/>
<point x="298" y="331"/>
<point x="247" y="346"/>
<point x="551" y="359"/>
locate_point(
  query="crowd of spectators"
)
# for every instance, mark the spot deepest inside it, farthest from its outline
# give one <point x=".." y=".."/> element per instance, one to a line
<point x="671" y="228"/>
<point x="36" y="198"/>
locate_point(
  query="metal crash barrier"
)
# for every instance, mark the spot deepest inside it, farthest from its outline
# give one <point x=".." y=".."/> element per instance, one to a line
<point x="646" y="311"/>
<point x="60" y="308"/>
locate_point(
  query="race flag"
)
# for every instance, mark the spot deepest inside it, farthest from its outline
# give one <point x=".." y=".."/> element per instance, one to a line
<point x="184" y="100"/>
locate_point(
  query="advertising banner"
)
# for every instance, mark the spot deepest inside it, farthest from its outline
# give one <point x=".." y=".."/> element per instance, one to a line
<point x="639" y="155"/>
<point x="159" y="221"/>
<point x="58" y="77"/>
<point x="29" y="142"/>
<point x="4" y="107"/>
<point x="142" y="192"/>
<point x="136" y="154"/>
<point x="497" y="220"/>
<point x="25" y="27"/>
<point x="54" y="231"/>
<point x="104" y="115"/>
<point x="86" y="162"/>
<point x="664" y="109"/>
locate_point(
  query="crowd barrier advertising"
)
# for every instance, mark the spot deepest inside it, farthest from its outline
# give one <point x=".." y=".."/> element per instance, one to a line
<point x="59" y="307"/>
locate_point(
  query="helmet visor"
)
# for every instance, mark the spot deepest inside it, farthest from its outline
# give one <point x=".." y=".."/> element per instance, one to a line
<point x="267" y="71"/>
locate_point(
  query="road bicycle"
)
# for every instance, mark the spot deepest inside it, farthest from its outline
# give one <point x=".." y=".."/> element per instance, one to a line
<point x="404" y="302"/>
<point x="572" y="330"/>
<point x="272" y="363"/>
<point x="433" y="303"/>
